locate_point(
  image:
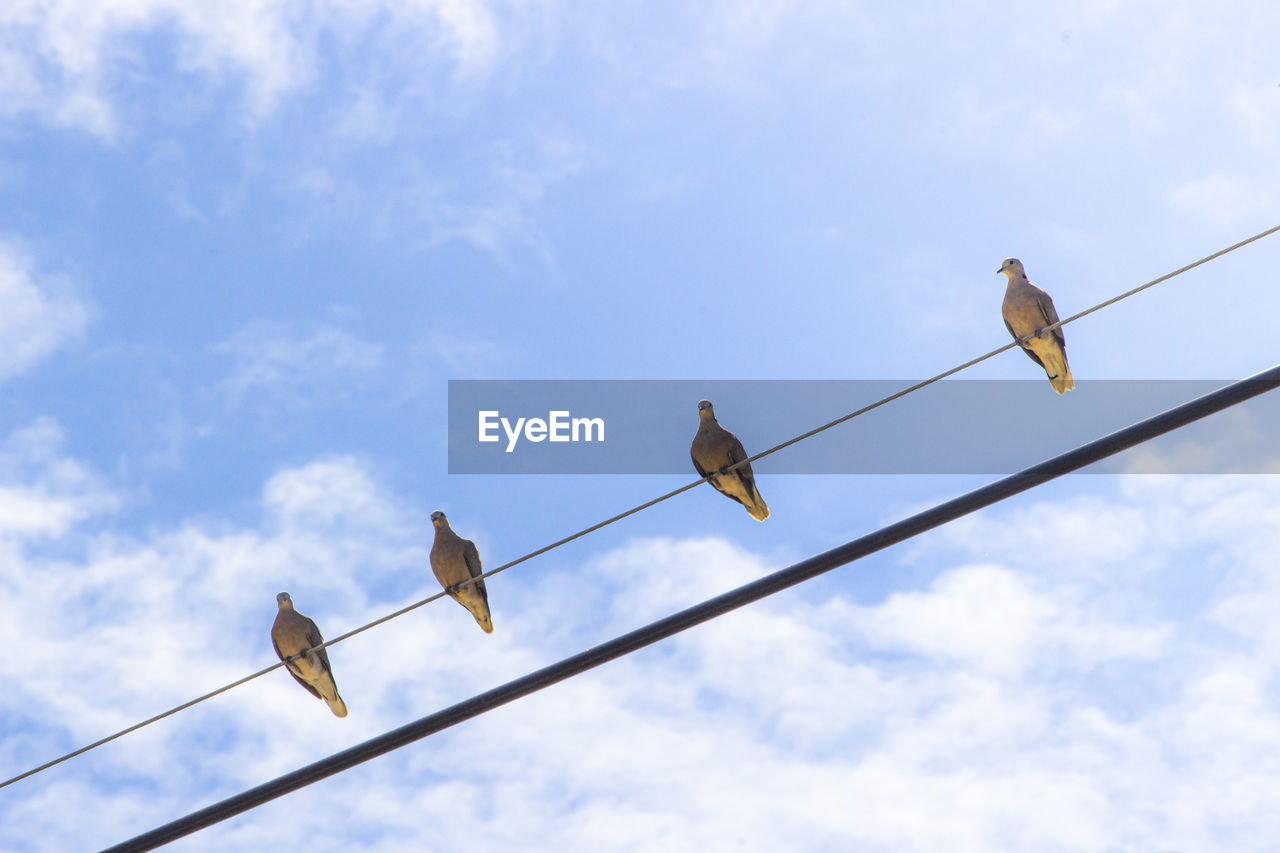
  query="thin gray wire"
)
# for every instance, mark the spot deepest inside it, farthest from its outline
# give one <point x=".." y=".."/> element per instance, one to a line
<point x="905" y="391"/>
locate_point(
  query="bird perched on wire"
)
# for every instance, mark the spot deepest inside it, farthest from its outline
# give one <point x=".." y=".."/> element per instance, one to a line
<point x="1027" y="309"/>
<point x="293" y="635"/>
<point x="454" y="560"/>
<point x="714" y="448"/>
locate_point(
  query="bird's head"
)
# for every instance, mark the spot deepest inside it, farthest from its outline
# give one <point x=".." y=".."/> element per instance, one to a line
<point x="438" y="520"/>
<point x="283" y="599"/>
<point x="1012" y="267"/>
<point x="705" y="409"/>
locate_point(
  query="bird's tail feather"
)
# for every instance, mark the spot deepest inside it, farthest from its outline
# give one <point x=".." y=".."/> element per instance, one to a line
<point x="336" y="705"/>
<point x="328" y="691"/>
<point x="1055" y="365"/>
<point x="758" y="508"/>
<point x="479" y="609"/>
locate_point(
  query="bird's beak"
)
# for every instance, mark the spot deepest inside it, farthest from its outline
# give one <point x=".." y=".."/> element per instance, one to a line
<point x="999" y="270"/>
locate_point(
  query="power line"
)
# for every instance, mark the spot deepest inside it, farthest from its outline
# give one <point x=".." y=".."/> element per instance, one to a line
<point x="611" y="520"/>
<point x="712" y="608"/>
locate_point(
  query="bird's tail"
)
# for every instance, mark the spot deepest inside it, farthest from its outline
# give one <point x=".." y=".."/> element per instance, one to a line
<point x="479" y="608"/>
<point x="1055" y="365"/>
<point x="336" y="705"/>
<point x="757" y="507"/>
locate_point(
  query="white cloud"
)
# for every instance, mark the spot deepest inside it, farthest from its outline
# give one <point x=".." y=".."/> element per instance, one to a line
<point x="1053" y="696"/>
<point x="43" y="493"/>
<point x="38" y="314"/>
<point x="991" y="620"/>
<point x="142" y="611"/>
<point x="325" y="491"/>
<point x="62" y="59"/>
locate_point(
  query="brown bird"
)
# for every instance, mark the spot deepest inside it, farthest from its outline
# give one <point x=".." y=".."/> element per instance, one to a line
<point x="714" y="448"/>
<point x="454" y="560"/>
<point x="1028" y="309"/>
<point x="294" y="634"/>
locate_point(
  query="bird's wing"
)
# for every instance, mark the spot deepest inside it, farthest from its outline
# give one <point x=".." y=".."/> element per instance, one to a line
<point x="737" y="453"/>
<point x="472" y="556"/>
<point x="314" y="639"/>
<point x="1050" y="315"/>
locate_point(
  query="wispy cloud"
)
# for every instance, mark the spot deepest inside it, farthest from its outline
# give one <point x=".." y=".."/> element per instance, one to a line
<point x="1233" y="442"/>
<point x="38" y="312"/>
<point x="1257" y="109"/>
<point x="1221" y="200"/>
<point x="464" y="355"/>
<point x="492" y="198"/>
<point x="295" y="365"/>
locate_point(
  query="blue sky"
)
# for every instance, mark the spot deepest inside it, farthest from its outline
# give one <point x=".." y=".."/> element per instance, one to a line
<point x="242" y="252"/>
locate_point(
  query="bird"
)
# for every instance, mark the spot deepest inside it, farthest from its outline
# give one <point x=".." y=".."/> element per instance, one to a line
<point x="1027" y="309"/>
<point x="714" y="448"/>
<point x="454" y="560"/>
<point x="293" y="635"/>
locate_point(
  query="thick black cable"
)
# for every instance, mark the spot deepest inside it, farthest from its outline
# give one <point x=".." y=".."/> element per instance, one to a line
<point x="1026" y="479"/>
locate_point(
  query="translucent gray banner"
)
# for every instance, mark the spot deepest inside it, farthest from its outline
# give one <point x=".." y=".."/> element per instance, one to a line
<point x="951" y="427"/>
